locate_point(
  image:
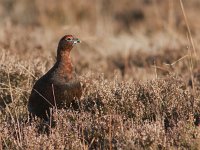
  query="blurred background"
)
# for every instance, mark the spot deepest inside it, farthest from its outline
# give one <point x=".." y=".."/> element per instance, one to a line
<point x="116" y="34"/>
<point x="138" y="64"/>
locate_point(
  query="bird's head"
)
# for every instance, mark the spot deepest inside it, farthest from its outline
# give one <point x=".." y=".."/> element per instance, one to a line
<point x="67" y="42"/>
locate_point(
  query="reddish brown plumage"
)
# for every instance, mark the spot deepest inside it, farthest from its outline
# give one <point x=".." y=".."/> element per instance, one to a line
<point x="59" y="86"/>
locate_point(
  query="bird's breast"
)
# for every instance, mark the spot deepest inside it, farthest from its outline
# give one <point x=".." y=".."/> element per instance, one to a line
<point x="66" y="92"/>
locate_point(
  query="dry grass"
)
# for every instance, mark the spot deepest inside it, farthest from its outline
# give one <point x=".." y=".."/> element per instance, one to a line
<point x="139" y="69"/>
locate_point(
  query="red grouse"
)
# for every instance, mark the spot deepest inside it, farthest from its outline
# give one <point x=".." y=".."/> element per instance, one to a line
<point x="59" y="87"/>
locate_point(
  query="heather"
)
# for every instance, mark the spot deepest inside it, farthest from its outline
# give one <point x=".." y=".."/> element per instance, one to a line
<point x="138" y="64"/>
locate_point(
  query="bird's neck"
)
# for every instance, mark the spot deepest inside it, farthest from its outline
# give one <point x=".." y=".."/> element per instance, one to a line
<point x="65" y="67"/>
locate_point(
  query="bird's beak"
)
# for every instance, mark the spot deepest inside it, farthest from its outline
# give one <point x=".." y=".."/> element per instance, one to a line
<point x="76" y="41"/>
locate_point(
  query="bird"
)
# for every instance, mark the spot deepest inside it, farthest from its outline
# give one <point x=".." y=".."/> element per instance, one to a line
<point x="59" y="87"/>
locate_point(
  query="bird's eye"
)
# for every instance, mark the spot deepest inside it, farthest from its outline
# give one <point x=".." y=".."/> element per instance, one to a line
<point x="69" y="39"/>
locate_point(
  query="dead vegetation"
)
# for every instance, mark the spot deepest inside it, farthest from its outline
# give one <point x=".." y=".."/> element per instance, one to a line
<point x="140" y="73"/>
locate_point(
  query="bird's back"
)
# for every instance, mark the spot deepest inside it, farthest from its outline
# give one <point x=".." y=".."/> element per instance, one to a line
<point x="52" y="89"/>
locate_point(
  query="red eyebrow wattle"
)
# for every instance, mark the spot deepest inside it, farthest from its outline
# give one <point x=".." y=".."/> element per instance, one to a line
<point x="68" y="36"/>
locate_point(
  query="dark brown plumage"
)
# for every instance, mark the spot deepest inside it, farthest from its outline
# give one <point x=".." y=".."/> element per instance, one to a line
<point x="59" y="86"/>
